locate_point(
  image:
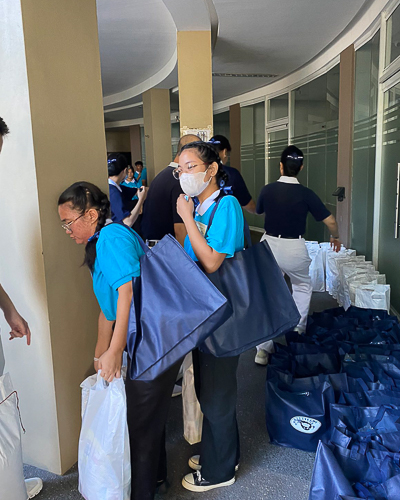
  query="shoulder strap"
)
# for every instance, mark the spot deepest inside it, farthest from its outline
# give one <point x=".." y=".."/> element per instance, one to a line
<point x="217" y="201"/>
<point x="246" y="229"/>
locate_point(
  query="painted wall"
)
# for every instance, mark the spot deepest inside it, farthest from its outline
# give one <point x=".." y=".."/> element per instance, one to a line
<point x="51" y="99"/>
<point x="118" y="142"/>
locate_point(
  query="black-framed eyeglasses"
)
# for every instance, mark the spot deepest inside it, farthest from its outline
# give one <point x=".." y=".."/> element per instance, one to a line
<point x="67" y="225"/>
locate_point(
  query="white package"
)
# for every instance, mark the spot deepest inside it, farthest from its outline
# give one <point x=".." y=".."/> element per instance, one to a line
<point x="12" y="483"/>
<point x="317" y="269"/>
<point x="373" y="297"/>
<point x="103" y="455"/>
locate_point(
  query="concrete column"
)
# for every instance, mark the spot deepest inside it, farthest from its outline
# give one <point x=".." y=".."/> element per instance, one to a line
<point x="157" y="130"/>
<point x="195" y="93"/>
<point x="345" y="140"/>
<point x="51" y="99"/>
<point x="118" y="141"/>
<point x="136" y="143"/>
<point x="235" y="135"/>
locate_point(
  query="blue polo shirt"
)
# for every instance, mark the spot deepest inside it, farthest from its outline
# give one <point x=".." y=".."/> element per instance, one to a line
<point x="119" y="211"/>
<point x="226" y="232"/>
<point x="117" y="262"/>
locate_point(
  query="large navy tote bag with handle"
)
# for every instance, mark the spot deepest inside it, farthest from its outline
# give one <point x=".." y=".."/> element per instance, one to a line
<point x="263" y="307"/>
<point x="174" y="308"/>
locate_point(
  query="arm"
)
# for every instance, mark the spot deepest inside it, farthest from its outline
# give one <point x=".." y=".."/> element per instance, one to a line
<point x="180" y="232"/>
<point x="19" y="327"/>
<point x="104" y="334"/>
<point x="250" y="207"/>
<point x="111" y="361"/>
<point x="131" y="219"/>
<point x="331" y="224"/>
<point x="208" y="257"/>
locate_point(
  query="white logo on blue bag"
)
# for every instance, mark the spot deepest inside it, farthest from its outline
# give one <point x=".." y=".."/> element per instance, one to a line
<point x="306" y="425"/>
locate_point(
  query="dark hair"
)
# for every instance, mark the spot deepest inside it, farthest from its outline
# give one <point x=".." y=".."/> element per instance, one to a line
<point x="82" y="196"/>
<point x="4" y="130"/>
<point x="129" y="167"/>
<point x="139" y="163"/>
<point x="292" y="160"/>
<point x="220" y="142"/>
<point x="209" y="154"/>
<point x="116" y="164"/>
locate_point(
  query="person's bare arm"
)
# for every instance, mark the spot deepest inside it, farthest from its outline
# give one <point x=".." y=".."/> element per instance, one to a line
<point x="208" y="257"/>
<point x="110" y="362"/>
<point x="19" y="327"/>
<point x="332" y="225"/>
<point x="180" y="232"/>
<point x="250" y="207"/>
<point x="131" y="219"/>
<point x="104" y="334"/>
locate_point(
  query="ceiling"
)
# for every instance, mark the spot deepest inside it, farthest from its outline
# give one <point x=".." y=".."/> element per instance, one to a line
<point x="138" y="43"/>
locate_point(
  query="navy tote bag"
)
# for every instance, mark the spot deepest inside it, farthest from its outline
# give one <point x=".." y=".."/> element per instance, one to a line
<point x="174" y="308"/>
<point x="262" y="305"/>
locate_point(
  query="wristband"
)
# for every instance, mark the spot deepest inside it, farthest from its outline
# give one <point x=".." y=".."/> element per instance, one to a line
<point x="334" y="237"/>
<point x="96" y="359"/>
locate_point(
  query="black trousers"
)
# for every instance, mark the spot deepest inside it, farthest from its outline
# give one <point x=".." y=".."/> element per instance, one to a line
<point x="216" y="388"/>
<point x="148" y="404"/>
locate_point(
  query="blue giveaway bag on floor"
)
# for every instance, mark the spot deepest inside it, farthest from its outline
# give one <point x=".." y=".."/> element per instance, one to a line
<point x="297" y="410"/>
<point x="174" y="308"/>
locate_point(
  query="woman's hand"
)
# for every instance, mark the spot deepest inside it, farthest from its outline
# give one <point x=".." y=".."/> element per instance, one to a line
<point x="110" y="364"/>
<point x="185" y="207"/>
<point x="335" y="244"/>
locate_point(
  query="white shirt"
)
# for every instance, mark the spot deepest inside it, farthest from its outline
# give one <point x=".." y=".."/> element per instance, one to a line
<point x="113" y="183"/>
<point x="288" y="179"/>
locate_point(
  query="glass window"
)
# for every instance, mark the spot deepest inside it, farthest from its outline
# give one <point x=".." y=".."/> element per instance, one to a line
<point x="316" y="117"/>
<point x="277" y="142"/>
<point x="221" y="124"/>
<point x="253" y="154"/>
<point x="393" y="37"/>
<point x="278" y="107"/>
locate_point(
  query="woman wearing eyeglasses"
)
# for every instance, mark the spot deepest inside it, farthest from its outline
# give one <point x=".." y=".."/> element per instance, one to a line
<point x="200" y="174"/>
<point x="112" y="253"/>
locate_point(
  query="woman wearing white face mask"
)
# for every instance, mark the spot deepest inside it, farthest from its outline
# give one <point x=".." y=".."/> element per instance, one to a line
<point x="201" y="175"/>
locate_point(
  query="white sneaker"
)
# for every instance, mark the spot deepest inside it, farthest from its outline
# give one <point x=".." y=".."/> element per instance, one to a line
<point x="261" y="357"/>
<point x="194" y="463"/>
<point x="195" y="482"/>
<point x="33" y="486"/>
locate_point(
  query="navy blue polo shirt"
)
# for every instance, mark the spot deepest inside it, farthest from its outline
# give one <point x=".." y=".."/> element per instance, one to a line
<point x="118" y="210"/>
<point x="286" y="204"/>
<point x="238" y="186"/>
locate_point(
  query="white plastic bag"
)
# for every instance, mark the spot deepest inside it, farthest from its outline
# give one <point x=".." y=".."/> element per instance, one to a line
<point x="104" y="457"/>
<point x="12" y="483"/>
<point x="316" y="270"/>
<point x="373" y="297"/>
<point x="192" y="415"/>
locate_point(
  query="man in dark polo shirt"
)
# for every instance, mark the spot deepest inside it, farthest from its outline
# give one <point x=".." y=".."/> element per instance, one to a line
<point x="159" y="211"/>
<point x="235" y="185"/>
<point x="286" y="204"/>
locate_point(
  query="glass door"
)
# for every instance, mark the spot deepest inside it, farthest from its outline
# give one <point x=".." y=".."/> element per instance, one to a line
<point x="277" y="141"/>
<point x="389" y="241"/>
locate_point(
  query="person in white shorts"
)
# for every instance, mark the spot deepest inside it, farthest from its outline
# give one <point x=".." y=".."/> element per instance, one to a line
<point x="286" y="204"/>
<point x="19" y="328"/>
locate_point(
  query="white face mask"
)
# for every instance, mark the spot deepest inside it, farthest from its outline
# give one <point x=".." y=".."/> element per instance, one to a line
<point x="193" y="184"/>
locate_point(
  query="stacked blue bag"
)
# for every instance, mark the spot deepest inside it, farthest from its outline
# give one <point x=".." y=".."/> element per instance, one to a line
<point x="336" y="389"/>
